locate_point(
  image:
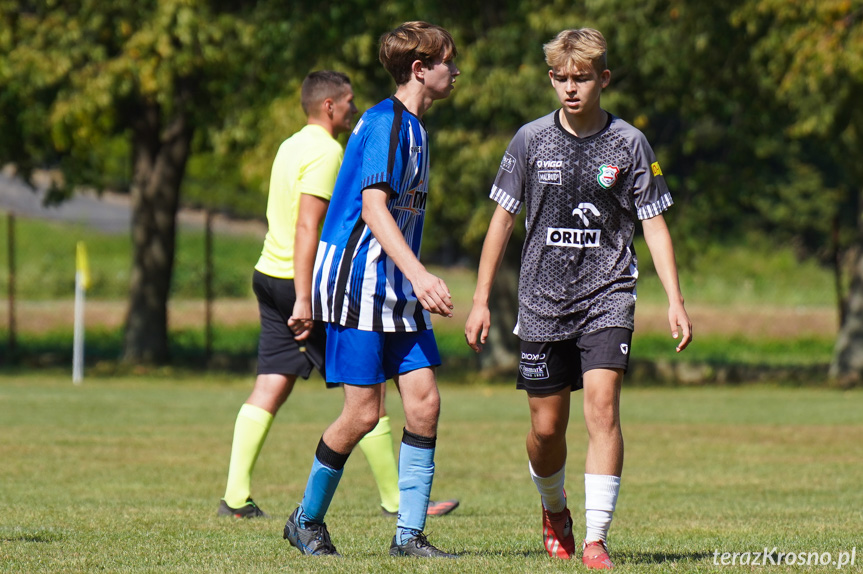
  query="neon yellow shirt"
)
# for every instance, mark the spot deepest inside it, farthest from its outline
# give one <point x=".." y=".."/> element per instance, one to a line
<point x="307" y="162"/>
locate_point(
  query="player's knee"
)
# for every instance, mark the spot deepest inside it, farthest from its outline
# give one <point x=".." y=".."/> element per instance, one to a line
<point x="366" y="422"/>
<point x="548" y="432"/>
<point x="601" y="419"/>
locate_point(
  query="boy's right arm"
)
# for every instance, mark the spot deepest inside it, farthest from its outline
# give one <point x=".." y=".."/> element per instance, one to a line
<point x="493" y="248"/>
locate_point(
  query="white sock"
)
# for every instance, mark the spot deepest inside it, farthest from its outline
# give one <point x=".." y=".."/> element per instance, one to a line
<point x="600" y="498"/>
<point x="550" y="489"/>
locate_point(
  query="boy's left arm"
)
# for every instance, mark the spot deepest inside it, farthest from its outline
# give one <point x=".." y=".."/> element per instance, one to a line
<point x="661" y="249"/>
<point x="431" y="291"/>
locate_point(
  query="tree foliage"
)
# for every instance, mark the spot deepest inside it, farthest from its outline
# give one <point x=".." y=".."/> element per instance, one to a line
<point x="811" y="55"/>
<point x="751" y="105"/>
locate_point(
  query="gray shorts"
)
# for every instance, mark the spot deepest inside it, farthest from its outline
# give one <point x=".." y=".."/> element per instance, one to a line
<point x="548" y="367"/>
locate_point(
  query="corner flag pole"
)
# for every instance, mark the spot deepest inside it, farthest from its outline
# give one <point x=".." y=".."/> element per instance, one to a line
<point x="82" y="281"/>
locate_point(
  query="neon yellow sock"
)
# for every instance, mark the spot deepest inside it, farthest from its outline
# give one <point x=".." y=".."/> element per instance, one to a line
<point x="378" y="448"/>
<point x="250" y="432"/>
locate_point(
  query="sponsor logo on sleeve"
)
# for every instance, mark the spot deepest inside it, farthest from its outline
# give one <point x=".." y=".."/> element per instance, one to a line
<point x="654" y="167"/>
<point x="507" y="164"/>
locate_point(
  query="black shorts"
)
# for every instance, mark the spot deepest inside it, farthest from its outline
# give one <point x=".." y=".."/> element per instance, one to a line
<point x="278" y="352"/>
<point x="548" y="367"/>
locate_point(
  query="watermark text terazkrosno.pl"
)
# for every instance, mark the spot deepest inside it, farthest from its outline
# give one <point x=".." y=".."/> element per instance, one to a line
<point x="775" y="557"/>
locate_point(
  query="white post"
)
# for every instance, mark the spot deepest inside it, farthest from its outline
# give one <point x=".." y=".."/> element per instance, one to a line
<point x="78" y="343"/>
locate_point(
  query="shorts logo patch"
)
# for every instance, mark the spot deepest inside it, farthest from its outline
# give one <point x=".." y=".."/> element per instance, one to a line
<point x="507" y="163"/>
<point x="654" y="167"/>
<point x="607" y="175"/>
<point x="533" y="371"/>
<point x="624" y="348"/>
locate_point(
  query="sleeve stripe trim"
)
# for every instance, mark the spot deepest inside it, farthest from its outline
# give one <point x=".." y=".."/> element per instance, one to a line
<point x="505" y="200"/>
<point x="655" y="208"/>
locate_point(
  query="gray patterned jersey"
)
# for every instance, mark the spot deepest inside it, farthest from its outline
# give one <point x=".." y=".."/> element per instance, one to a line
<point x="583" y="196"/>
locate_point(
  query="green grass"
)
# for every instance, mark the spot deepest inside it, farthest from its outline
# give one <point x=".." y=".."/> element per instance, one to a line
<point x="744" y="276"/>
<point x="124" y="475"/>
<point x="45" y="261"/>
<point x="753" y="272"/>
<point x="235" y="348"/>
<point x="737" y="349"/>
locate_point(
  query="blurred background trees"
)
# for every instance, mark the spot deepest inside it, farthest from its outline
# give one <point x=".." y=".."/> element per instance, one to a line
<point x="752" y="107"/>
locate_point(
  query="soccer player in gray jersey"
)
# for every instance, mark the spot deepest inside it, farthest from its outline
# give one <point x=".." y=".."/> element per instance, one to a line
<point x="585" y="177"/>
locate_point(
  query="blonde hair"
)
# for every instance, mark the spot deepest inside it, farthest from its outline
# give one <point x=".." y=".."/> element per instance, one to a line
<point x="412" y="41"/>
<point x="577" y="50"/>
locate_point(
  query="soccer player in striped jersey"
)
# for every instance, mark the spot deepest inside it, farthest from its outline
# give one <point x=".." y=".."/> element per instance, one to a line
<point x="375" y="295"/>
<point x="585" y="178"/>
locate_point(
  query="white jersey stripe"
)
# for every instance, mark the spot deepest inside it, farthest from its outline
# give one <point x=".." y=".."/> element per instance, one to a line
<point x="655" y="208"/>
<point x="505" y="200"/>
<point x="325" y="263"/>
<point x="390" y="298"/>
<point x="368" y="289"/>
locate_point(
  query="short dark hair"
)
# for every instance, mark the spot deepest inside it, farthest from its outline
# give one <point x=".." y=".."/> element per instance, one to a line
<point x="412" y="41"/>
<point x="320" y="85"/>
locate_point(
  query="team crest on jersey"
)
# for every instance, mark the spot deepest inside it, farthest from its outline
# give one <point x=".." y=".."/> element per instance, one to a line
<point x="507" y="164"/>
<point x="607" y="175"/>
<point x="654" y="167"/>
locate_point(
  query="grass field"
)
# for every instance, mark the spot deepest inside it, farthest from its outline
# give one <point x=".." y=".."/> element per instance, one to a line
<point x="125" y="474"/>
<point x="751" y="303"/>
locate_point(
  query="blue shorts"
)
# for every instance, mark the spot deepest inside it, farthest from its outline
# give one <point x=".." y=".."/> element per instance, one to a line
<point x="357" y="357"/>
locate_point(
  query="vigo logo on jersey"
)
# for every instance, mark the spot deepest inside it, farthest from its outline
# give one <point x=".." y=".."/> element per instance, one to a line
<point x="549" y="172"/>
<point x="607" y="175"/>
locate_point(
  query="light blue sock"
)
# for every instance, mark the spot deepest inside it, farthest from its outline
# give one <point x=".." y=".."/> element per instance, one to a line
<point x="416" y="471"/>
<point x="322" y="484"/>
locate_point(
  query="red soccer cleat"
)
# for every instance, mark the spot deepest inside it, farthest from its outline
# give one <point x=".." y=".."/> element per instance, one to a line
<point x="595" y="555"/>
<point x="441" y="507"/>
<point x="557" y="534"/>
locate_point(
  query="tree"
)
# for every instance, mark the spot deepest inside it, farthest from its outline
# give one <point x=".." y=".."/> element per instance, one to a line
<point x="167" y="78"/>
<point x="812" y="52"/>
<point x="749" y="104"/>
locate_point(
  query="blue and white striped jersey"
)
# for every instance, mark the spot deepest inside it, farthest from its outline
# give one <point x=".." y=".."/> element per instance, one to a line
<point x="356" y="284"/>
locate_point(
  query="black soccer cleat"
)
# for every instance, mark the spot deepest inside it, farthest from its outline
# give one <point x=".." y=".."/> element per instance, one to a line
<point x="314" y="540"/>
<point x="248" y="510"/>
<point x="418" y="546"/>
